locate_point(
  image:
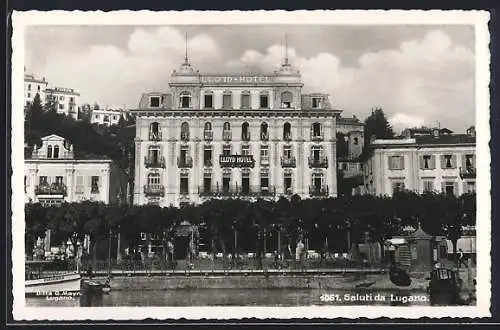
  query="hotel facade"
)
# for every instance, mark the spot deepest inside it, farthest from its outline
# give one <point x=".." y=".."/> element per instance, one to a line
<point x="234" y="136"/>
<point x="435" y="161"/>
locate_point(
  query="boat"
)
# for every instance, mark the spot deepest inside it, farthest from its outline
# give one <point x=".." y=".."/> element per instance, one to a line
<point x="444" y="287"/>
<point x="91" y="286"/>
<point x="41" y="281"/>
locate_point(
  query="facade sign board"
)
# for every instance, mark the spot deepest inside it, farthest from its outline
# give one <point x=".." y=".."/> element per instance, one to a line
<point x="236" y="161"/>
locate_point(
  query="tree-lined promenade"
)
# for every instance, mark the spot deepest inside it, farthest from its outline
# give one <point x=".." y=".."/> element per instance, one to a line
<point x="236" y="226"/>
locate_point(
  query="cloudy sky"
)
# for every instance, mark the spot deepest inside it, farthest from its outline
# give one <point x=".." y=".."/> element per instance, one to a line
<point x="419" y="75"/>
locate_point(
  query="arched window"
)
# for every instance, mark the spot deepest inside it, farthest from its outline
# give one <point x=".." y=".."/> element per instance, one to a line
<point x="287" y="131"/>
<point x="226" y="131"/>
<point x="227" y="100"/>
<point x="316" y="130"/>
<point x="264" y="135"/>
<point x="208" y="134"/>
<point x="245" y="100"/>
<point x="56" y="152"/>
<point x="154" y="131"/>
<point x="226" y="126"/>
<point x="208" y="126"/>
<point x="49" y="152"/>
<point x="184" y="131"/>
<point x="245" y="132"/>
<point x="286" y="100"/>
<point x="185" y="100"/>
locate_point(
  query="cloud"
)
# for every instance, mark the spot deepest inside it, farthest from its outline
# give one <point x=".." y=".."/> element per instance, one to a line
<point x="430" y="78"/>
<point x="401" y="121"/>
<point x="117" y="76"/>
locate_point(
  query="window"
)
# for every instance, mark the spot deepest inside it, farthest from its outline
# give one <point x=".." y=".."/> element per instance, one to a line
<point x="184" y="156"/>
<point x="356" y="141"/>
<point x="42" y="180"/>
<point x="245" y="150"/>
<point x="449" y="188"/>
<point x="286" y="100"/>
<point x="72" y="99"/>
<point x="245" y="182"/>
<point x="207" y="184"/>
<point x="25" y="183"/>
<point x="114" y="117"/>
<point x="226" y="131"/>
<point x="427" y="162"/>
<point x="208" y="126"/>
<point x="264" y="154"/>
<point x="79" y="184"/>
<point x="264" y="100"/>
<point x="245" y="132"/>
<point x="154" y="131"/>
<point x="428" y="185"/>
<point x="94" y="187"/>
<point x="448" y="161"/>
<point x="287" y="152"/>
<point x="106" y="118"/>
<point x="264" y="136"/>
<point x="469" y="161"/>
<point x="344" y="166"/>
<point x="209" y="99"/>
<point x="184" y="131"/>
<point x="59" y="180"/>
<point x="316" y="152"/>
<point x="49" y="151"/>
<point x="470" y="187"/>
<point x="38" y="88"/>
<point x="398" y="186"/>
<point x="154" y="154"/>
<point x="154" y="179"/>
<point x="316" y="102"/>
<point x="185" y="100"/>
<point x="245" y="100"/>
<point x="56" y="152"/>
<point x="29" y="94"/>
<point x="226" y="181"/>
<point x="184" y="185"/>
<point x="317" y="181"/>
<point x="316" y="130"/>
<point x="61" y="98"/>
<point x="154" y="101"/>
<point x="287" y="131"/>
<point x="226" y="126"/>
<point x="29" y="87"/>
<point x="227" y="100"/>
<point x="396" y="162"/>
<point x="207" y="156"/>
<point x="287" y="182"/>
<point x="264" y="181"/>
<point x="226" y="150"/>
<point x="96" y="116"/>
<point x="61" y="106"/>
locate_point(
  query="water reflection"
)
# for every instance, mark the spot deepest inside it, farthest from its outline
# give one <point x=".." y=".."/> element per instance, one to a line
<point x="234" y="297"/>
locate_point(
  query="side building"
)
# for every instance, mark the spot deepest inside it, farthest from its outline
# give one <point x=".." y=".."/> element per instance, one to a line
<point x="437" y="162"/>
<point x="33" y="86"/>
<point x="236" y="135"/>
<point x="107" y="117"/>
<point x="64" y="99"/>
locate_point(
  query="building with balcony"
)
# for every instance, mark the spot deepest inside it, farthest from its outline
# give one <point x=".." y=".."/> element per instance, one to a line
<point x="53" y="175"/>
<point x="33" y="86"/>
<point x="235" y="135"/>
<point x="439" y="162"/>
<point x="65" y="100"/>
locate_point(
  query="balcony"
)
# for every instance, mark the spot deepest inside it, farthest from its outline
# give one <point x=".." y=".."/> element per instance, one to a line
<point x="287" y="137"/>
<point x="184" y="136"/>
<point x="227" y="135"/>
<point x="321" y="162"/>
<point x="264" y="161"/>
<point x="317" y="136"/>
<point x="208" y="135"/>
<point x="250" y="191"/>
<point x="185" y="162"/>
<point x="316" y="191"/>
<point x="52" y="189"/>
<point x="468" y="172"/>
<point x="155" y="136"/>
<point x="154" y="162"/>
<point x="154" y="190"/>
<point x="288" y="162"/>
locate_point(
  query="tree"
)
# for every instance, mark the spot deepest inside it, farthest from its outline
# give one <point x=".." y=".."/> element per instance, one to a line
<point x="342" y="147"/>
<point x="376" y="125"/>
<point x="35" y="218"/>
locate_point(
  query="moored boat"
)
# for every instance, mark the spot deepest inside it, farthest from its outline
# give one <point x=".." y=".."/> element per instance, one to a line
<point x="40" y="282"/>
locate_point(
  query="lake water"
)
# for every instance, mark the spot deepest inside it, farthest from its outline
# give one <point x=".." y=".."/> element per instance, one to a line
<point x="236" y="297"/>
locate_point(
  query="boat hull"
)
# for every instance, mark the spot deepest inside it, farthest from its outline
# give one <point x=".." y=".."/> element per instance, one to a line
<point x="53" y="285"/>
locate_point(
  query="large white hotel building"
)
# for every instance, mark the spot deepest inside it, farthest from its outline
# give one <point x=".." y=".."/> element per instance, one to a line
<point x="234" y="135"/>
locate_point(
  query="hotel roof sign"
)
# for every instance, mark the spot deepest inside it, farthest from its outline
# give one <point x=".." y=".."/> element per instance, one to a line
<point x="237" y="79"/>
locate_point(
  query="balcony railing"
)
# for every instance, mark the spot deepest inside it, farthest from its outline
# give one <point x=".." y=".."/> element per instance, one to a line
<point x="288" y="162"/>
<point x="208" y="135"/>
<point x="321" y="162"/>
<point x="52" y="189"/>
<point x="154" y="190"/>
<point x="227" y="135"/>
<point x="154" y="162"/>
<point x="468" y="172"/>
<point x="184" y="136"/>
<point x="318" y="191"/>
<point x="317" y="136"/>
<point x="240" y="191"/>
<point x="185" y="162"/>
<point x="155" y="136"/>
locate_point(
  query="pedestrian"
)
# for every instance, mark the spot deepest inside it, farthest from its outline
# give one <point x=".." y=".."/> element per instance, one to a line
<point x="461" y="259"/>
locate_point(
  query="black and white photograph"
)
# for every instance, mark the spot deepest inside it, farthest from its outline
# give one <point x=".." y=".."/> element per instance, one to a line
<point x="250" y="164"/>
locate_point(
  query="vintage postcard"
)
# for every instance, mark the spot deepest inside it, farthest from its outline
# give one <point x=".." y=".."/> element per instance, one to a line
<point x="230" y="165"/>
